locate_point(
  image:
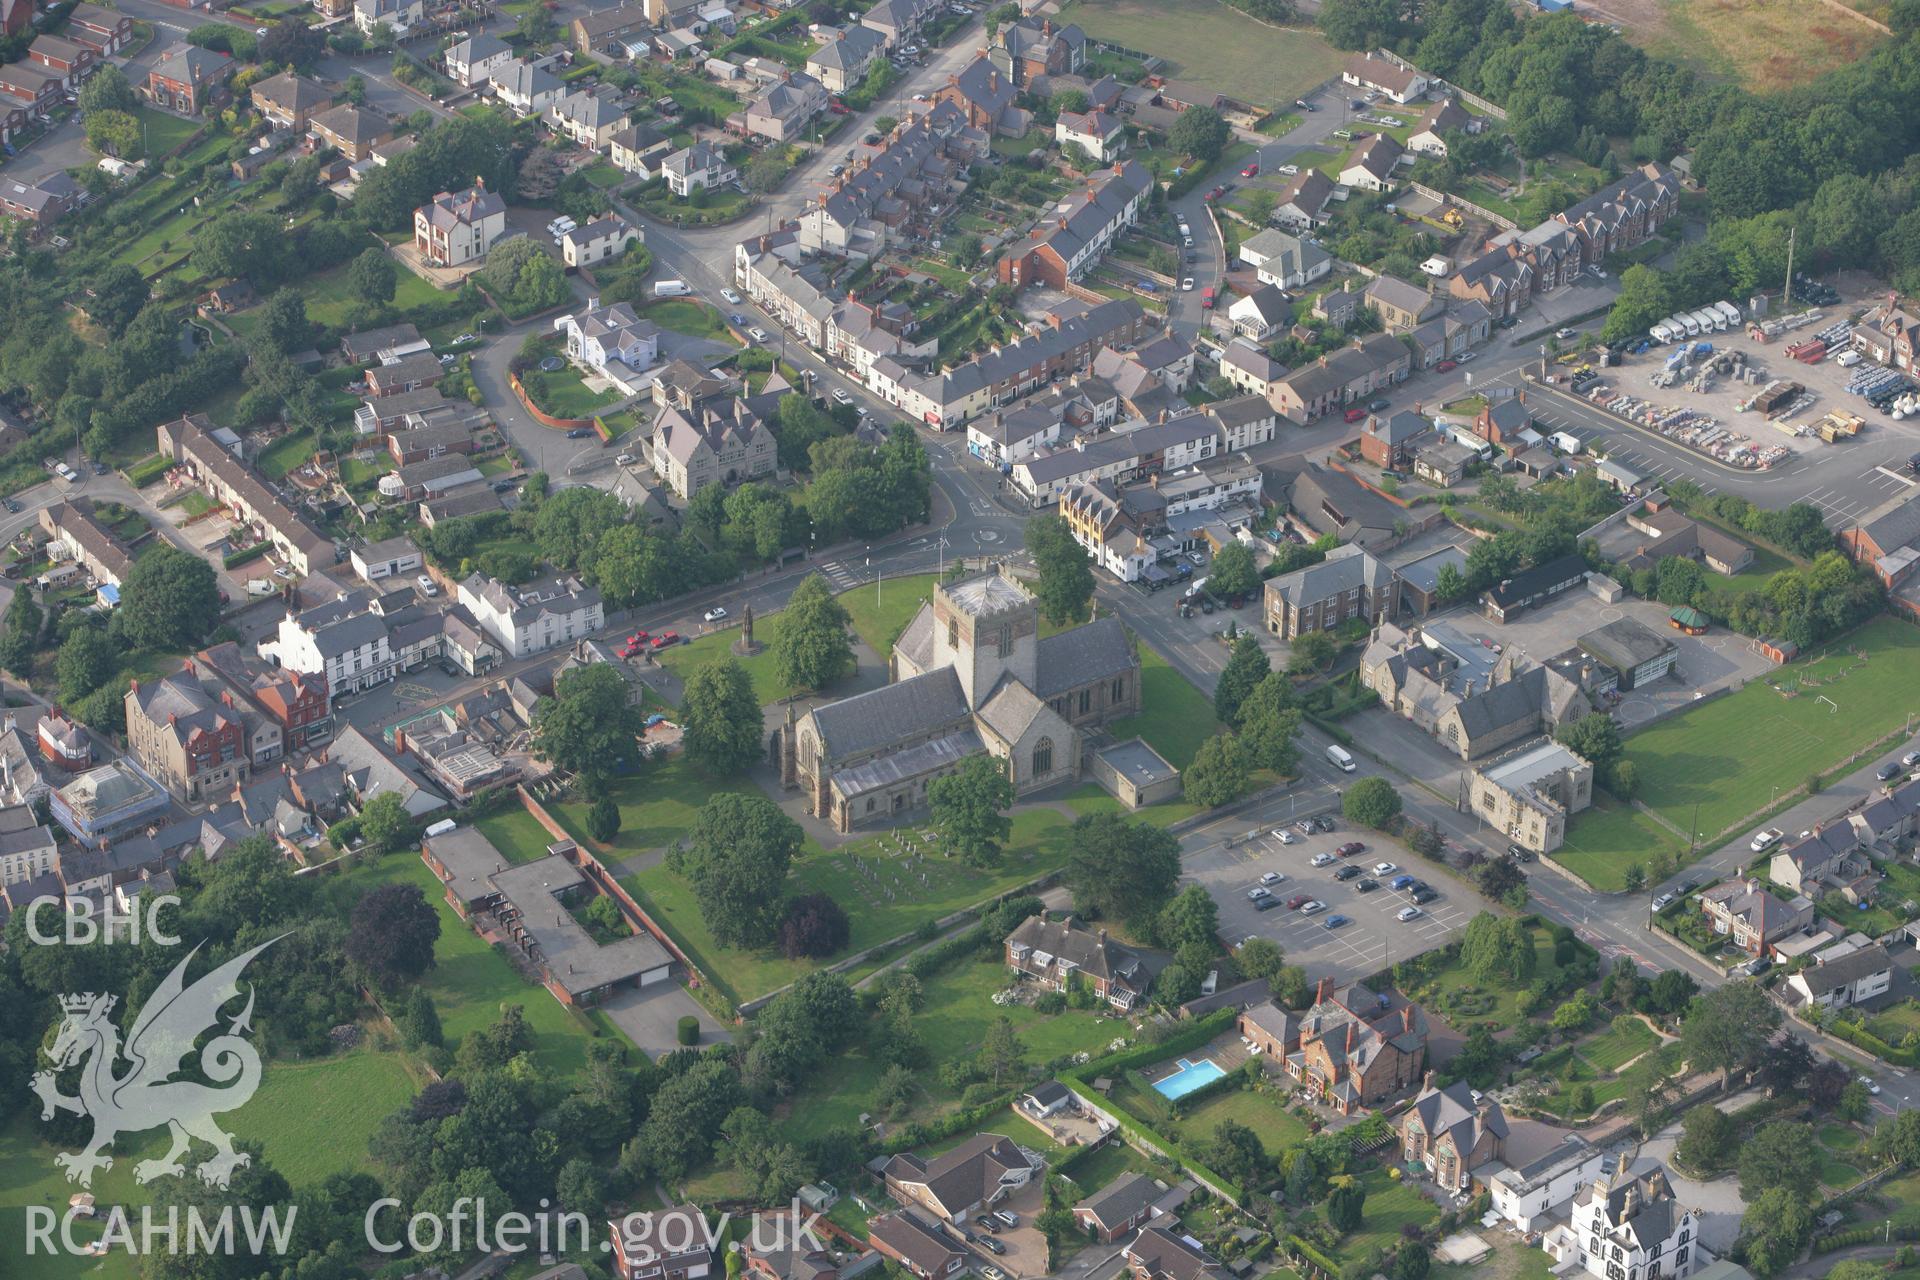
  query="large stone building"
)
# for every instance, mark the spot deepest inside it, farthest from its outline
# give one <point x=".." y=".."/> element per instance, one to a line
<point x="1529" y="796"/>
<point x="718" y="441"/>
<point x="1463" y="694"/>
<point x="1348" y="584"/>
<point x="1628" y="1228"/>
<point x="199" y="743"/>
<point x="1451" y="1132"/>
<point x="970" y="674"/>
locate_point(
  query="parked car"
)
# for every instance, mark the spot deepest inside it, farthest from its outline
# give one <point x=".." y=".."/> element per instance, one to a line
<point x="1423" y="895"/>
<point x="1380" y="405"/>
<point x="1402" y="882"/>
<point x="986" y="1220"/>
<point x="1350" y="848"/>
<point x="1910" y="759"/>
<point x="1409" y="913"/>
<point x="1888" y="771"/>
<point x="666" y="639"/>
<point x="1322" y="860"/>
<point x="1354" y="414"/>
<point x="1384" y="868"/>
<point x="1662" y="902"/>
<point x="1348" y="872"/>
<point x="992" y="1246"/>
<point x="1285" y="836"/>
<point x="1367" y="885"/>
<point x="1007" y="1219"/>
<point x="730" y="296"/>
<point x="1266" y="904"/>
<point x="639" y="637"/>
<point x="757" y="334"/>
<point x="1337" y="922"/>
<point x="1206" y="299"/>
<point x="428" y="587"/>
<point x="579" y="433"/>
<point x="1272" y="877"/>
<point x="1312" y="908"/>
<point x="1565" y="335"/>
<point x="1252" y="170"/>
<point x="1258" y="892"/>
<point x="1186" y="285"/>
<point x="1446" y="366"/>
<point x="714" y="614"/>
<point x="1289" y="170"/>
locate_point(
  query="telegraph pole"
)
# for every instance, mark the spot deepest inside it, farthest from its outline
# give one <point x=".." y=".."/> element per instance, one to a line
<point x="1786" y="297"/>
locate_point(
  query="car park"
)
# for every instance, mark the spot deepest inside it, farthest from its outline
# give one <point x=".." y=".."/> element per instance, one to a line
<point x="1408" y="913"/>
<point x="1285" y="836"/>
<point x="1402" y="882"/>
<point x="1338" y="922"/>
<point x="1272" y="877"/>
<point x="1323" y="859"/>
<point x="1267" y="903"/>
<point x="1257" y="892"/>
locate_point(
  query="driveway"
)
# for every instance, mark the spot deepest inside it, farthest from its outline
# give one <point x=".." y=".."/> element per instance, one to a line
<point x="651" y="1016"/>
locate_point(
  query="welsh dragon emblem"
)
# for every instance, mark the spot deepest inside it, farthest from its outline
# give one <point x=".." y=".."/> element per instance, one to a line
<point x="158" y="1046"/>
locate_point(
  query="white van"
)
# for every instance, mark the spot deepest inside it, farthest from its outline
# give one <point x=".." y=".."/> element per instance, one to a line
<point x="671" y="289"/>
<point x="1337" y="755"/>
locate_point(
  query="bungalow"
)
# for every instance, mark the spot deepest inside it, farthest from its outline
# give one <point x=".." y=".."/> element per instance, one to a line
<point x="409" y="373"/>
<point x="975" y="1175"/>
<point x="1443" y="117"/>
<point x="1160" y="1254"/>
<point x="1117" y="1208"/>
<point x="1371" y="167"/>
<point x="1261" y="314"/>
<point x="1301" y="204"/>
<point x="1385" y="76"/>
<point x="919" y="1246"/>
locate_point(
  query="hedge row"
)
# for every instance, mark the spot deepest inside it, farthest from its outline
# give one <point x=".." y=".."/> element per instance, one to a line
<point x="1862" y="1038"/>
<point x="233" y="559"/>
<point x="148" y="469"/>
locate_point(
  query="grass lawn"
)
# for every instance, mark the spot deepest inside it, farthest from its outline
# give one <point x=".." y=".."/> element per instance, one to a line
<point x="516" y="833"/>
<point x="1176" y="718"/>
<point x="1389" y="1206"/>
<point x="470" y="982"/>
<point x="1463" y="1000"/>
<point x="1618" y="1045"/>
<point x="1838" y="1137"/>
<point x="1837" y="1173"/>
<point x="683" y="315"/>
<point x="864" y="872"/>
<point x="1264" y="1113"/>
<point x="685" y="659"/>
<point x="164" y="132"/>
<point x="880" y="615"/>
<point x="1728" y="755"/>
<point x="565" y="394"/>
<point x="286" y="454"/>
<point x="1893" y="1023"/>
<point x="954" y="1021"/>
<point x="1602" y="842"/>
<point x="1213" y="45"/>
<point x="1106" y="1164"/>
<point x="1763" y="44"/>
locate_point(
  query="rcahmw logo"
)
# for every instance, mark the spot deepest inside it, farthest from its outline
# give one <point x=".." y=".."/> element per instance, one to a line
<point x="82" y="924"/>
<point x="145" y="1096"/>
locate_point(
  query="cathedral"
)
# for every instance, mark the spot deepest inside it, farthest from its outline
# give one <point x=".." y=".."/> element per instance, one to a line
<point x="969" y="674"/>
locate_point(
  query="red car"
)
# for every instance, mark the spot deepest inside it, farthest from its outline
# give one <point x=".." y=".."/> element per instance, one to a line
<point x="666" y="638"/>
<point x="1252" y="170"/>
<point x="1447" y="366"/>
<point x="1216" y="193"/>
<point x="1350" y="848"/>
<point x="1206" y="299"/>
<point x="1298" y="901"/>
<point x="631" y="651"/>
<point x="638" y="638"/>
<point x="1355" y="414"/>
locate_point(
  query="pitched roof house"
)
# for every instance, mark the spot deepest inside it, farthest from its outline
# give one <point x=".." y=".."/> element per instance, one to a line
<point x="1751" y="917"/>
<point x="1452" y="1133"/>
<point x="1357" y="1046"/>
<point x="1050" y="954"/>
<point x="977" y="1174"/>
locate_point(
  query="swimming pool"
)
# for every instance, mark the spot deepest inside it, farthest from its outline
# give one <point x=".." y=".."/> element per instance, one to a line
<point x="1190" y="1076"/>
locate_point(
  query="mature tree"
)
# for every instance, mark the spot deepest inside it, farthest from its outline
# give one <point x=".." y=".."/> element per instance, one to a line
<point x="741" y="848"/>
<point x="1671" y="992"/>
<point x="107" y="90"/>
<point x="765" y="171"/>
<point x="603" y="819"/>
<point x="1575" y="1014"/>
<point x="1121" y="869"/>
<point x="1496" y="948"/>
<point x="1312" y="651"/>
<point x="1897" y="1140"/>
<point x="168" y="603"/>
<point x="1498" y="877"/>
<point x="1002" y="1051"/>
<point x="684" y="1118"/>
<point x="1708" y="1141"/>
<point x="241" y="243"/>
<point x="1066" y="571"/>
<point x="385" y="823"/>
<point x="1595" y="738"/>
<point x="391" y="932"/>
<point x="1855" y="1102"/>
<point x="1259" y="958"/>
<point x="419" y="1020"/>
<point x="724" y="729"/>
<point x="1727" y="1029"/>
<point x="1237" y="1152"/>
<point x="810" y="648"/>
<point x="1776" y="1226"/>
<point x="970" y="807"/>
<point x="1270" y="725"/>
<point x="1346" y="1207"/>
<point x="590" y="725"/>
<point x="293" y="43"/>
<point x="1192" y="919"/>
<point x="1412" y="1261"/>
<point x="1372" y="802"/>
<point x="87" y="661"/>
<point x="815" y="925"/>
<point x="1780" y="1154"/>
<point x="1246" y="667"/>
<point x="283" y="322"/>
<point x="116" y="294"/>
<point x="1233" y="572"/>
<point x="1218" y="773"/>
<point x="115" y="133"/>
<point x="570" y="524"/>
<point x="1199" y="132"/>
<point x="519" y="272"/>
<point x="374" y="277"/>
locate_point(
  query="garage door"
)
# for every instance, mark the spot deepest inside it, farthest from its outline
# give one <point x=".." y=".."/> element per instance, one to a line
<point x="652" y="976"/>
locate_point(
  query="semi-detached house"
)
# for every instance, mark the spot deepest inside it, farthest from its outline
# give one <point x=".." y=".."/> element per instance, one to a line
<point x="1342" y="377"/>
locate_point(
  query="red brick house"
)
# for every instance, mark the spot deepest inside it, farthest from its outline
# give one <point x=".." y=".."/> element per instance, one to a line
<point x="1389" y="443"/>
<point x="1358" y="1047"/>
<point x="101" y="30"/>
<point x="1501" y="421"/>
<point x="406" y="374"/>
<point x="1159" y="1254"/>
<point x="1120" y="1206"/>
<point x="1452" y="1134"/>
<point x="916" y="1244"/>
<point x="32" y="87"/>
<point x="421" y="443"/>
<point x="641" y="1245"/>
<point x="189" y="80"/>
<point x="955" y="1184"/>
<point x="68" y="59"/>
<point x="299" y="703"/>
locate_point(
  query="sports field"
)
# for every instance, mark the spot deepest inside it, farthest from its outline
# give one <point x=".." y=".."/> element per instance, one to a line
<point x="1729" y="756"/>
<point x="1212" y="45"/>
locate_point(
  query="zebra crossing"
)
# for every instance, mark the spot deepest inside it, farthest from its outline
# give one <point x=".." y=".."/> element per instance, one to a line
<point x="840" y="576"/>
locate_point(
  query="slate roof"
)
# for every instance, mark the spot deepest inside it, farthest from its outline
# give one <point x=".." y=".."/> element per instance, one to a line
<point x="1625" y="644"/>
<point x="879" y="717"/>
<point x="1344" y="569"/>
<point x="1121" y="1200"/>
<point x="351" y="124"/>
<point x="1011" y="710"/>
<point x="190" y="64"/>
<point x="1452" y="1111"/>
<point x="1082" y="654"/>
<point x="291" y="93"/>
<point x="1847" y="970"/>
<point x="855" y="48"/>
<point x="1166" y="1256"/>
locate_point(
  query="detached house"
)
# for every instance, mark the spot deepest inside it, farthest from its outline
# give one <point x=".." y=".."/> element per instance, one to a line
<point x="1284" y="260"/>
<point x="1377" y="72"/>
<point x="953" y="1186"/>
<point x="471" y="61"/>
<point x="1116" y="1209"/>
<point x="1160" y="1254"/>
<point x="1890" y="335"/>
<point x="639" y="149"/>
<point x="603" y="336"/>
<point x="1853" y="978"/>
<point x="1349" y="583"/>
<point x="525" y="90"/>
<point x="1443" y="117"/>
<point x="459" y="227"/>
<point x="188" y="79"/>
<point x="598" y="241"/>
<point x="1051" y="954"/>
<point x="1358" y="1047"/>
<point x="697" y="168"/>
<point x="1373" y="164"/>
<point x="1451" y="1134"/>
<point x="1628" y="1226"/>
<point x="1302" y="202"/>
<point x="918" y="1245"/>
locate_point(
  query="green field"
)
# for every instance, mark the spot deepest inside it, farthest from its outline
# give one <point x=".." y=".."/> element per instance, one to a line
<point x="163" y="132"/>
<point x="516" y="833"/>
<point x="1265" y="1113"/>
<point x="1602" y="842"/>
<point x="1389" y="1206"/>
<point x="1175" y="717"/>
<point x="1728" y="756"/>
<point x="1213" y="45"/>
<point x="682" y="315"/>
<point x="563" y="393"/>
<point x="1618" y="1045"/>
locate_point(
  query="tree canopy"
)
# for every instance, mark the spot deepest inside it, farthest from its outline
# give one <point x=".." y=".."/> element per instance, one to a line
<point x="741" y="848"/>
<point x="591" y="725"/>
